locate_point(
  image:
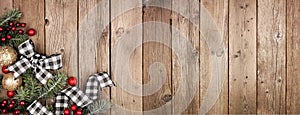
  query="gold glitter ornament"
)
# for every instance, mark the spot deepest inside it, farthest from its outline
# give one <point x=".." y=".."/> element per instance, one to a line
<point x="8" y="55"/>
<point x="10" y="83"/>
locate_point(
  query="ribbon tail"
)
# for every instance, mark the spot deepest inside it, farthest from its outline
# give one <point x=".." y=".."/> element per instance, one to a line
<point x="27" y="48"/>
<point x="61" y="102"/>
<point x="36" y="108"/>
<point x="42" y="75"/>
<point x="19" y="67"/>
<point x="77" y="96"/>
<point x="96" y="81"/>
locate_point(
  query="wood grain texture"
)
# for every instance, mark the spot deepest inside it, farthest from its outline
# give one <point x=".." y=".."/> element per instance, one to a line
<point x="61" y="32"/>
<point x="271" y="56"/>
<point x="34" y="16"/>
<point x="293" y="57"/>
<point x="126" y="15"/>
<point x="242" y="54"/>
<point x="5" y="5"/>
<point x="157" y="57"/>
<point x="219" y="12"/>
<point x="188" y="31"/>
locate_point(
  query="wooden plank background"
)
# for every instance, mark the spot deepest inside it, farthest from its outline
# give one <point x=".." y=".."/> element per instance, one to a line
<point x="261" y="37"/>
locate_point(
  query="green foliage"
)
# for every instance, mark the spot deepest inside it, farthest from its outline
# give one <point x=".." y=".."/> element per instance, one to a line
<point x="12" y="15"/>
<point x="16" y="41"/>
<point x="55" y="85"/>
<point x="97" y="107"/>
<point x="31" y="89"/>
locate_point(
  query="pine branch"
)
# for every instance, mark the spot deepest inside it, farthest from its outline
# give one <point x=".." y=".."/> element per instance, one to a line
<point x="99" y="106"/>
<point x="12" y="15"/>
<point x="55" y="85"/>
<point x="16" y="41"/>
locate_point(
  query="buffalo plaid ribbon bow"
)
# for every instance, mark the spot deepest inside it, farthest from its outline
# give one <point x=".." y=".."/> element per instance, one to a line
<point x="39" y="63"/>
<point x="99" y="80"/>
<point x="74" y="94"/>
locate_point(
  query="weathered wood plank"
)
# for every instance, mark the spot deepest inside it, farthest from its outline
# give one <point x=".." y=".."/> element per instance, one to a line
<point x="219" y="12"/>
<point x="185" y="28"/>
<point x="156" y="52"/>
<point x="33" y="15"/>
<point x="5" y="5"/>
<point x="271" y="59"/>
<point x="293" y="57"/>
<point x="125" y="16"/>
<point x="61" y="32"/>
<point x="242" y="57"/>
<point x="94" y="39"/>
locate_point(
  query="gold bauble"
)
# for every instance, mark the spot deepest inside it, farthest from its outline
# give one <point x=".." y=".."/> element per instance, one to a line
<point x="10" y="83"/>
<point x="8" y="55"/>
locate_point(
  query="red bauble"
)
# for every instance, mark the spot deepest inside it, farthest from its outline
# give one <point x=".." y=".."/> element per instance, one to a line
<point x="23" y="24"/>
<point x="17" y="112"/>
<point x="3" y="39"/>
<point x="31" y="32"/>
<point x="10" y="94"/>
<point x="4" y="110"/>
<point x="20" y="31"/>
<point x="11" y="106"/>
<point x="72" y="81"/>
<point x="78" y="112"/>
<point x="8" y="36"/>
<point x="73" y="107"/>
<point x="5" y="70"/>
<point x="13" y="28"/>
<point x="11" y="23"/>
<point x="67" y="112"/>
<point x="22" y="103"/>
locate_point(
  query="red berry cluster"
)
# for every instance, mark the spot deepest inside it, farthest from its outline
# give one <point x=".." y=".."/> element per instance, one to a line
<point x="10" y="30"/>
<point x="76" y="111"/>
<point x="7" y="107"/>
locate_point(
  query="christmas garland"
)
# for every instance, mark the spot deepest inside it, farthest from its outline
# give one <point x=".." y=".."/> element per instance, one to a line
<point x="31" y="78"/>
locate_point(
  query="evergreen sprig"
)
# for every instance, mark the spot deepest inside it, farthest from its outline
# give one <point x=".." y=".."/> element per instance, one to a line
<point x="31" y="89"/>
<point x="55" y="85"/>
<point x="12" y="15"/>
<point x="17" y="40"/>
<point x="97" y="107"/>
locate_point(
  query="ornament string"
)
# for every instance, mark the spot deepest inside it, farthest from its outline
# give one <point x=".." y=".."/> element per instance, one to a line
<point x="39" y="63"/>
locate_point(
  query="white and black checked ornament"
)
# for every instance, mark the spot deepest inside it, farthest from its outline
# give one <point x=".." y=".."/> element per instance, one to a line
<point x="96" y="82"/>
<point x="39" y="63"/>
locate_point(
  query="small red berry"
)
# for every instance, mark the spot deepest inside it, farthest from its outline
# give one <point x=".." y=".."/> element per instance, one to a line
<point x="3" y="104"/>
<point x="4" y="110"/>
<point x="66" y="112"/>
<point x="3" y="39"/>
<point x="22" y="103"/>
<point x="17" y="112"/>
<point x="13" y="28"/>
<point x="8" y="36"/>
<point x="18" y="24"/>
<point x="1" y="29"/>
<point x="11" y="23"/>
<point x="11" y="106"/>
<point x="13" y="101"/>
<point x="21" y="31"/>
<point x="78" y="112"/>
<point x="23" y="24"/>
<point x="73" y="107"/>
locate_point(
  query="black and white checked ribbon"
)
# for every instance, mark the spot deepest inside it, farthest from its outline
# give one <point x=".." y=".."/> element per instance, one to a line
<point x="36" y="108"/>
<point x="96" y="82"/>
<point x="39" y="63"/>
<point x="73" y="93"/>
